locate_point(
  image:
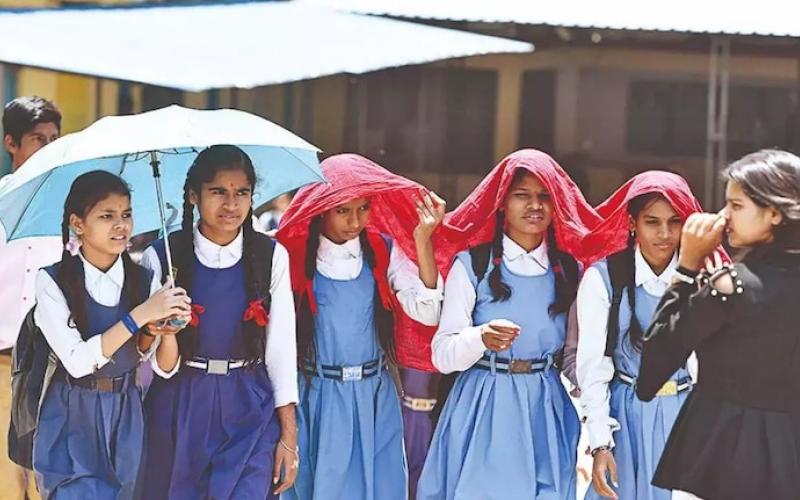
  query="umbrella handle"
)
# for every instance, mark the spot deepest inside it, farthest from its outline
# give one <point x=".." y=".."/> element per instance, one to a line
<point x="162" y="216"/>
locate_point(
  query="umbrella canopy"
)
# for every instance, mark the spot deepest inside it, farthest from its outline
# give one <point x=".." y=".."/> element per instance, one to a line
<point x="31" y="200"/>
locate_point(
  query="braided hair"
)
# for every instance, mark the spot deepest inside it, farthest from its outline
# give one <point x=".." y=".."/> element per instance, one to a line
<point x="628" y="267"/>
<point x="204" y="169"/>
<point x="87" y="191"/>
<point x="564" y="265"/>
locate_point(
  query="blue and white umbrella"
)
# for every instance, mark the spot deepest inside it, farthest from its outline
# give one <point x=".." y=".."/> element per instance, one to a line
<point x="152" y="152"/>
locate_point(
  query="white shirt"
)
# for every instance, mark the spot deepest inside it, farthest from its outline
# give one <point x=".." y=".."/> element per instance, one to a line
<point x="343" y="262"/>
<point x="457" y="344"/>
<point x="79" y="357"/>
<point x="595" y="370"/>
<point x="280" y="357"/>
<point x="19" y="262"/>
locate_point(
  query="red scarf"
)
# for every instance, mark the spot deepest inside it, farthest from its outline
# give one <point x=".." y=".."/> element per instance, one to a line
<point x="472" y="223"/>
<point x="392" y="213"/>
<point x="611" y="236"/>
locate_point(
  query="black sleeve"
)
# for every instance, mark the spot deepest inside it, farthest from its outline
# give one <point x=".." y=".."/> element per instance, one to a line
<point x="685" y="317"/>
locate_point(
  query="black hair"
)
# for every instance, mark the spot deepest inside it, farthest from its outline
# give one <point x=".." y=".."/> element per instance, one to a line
<point x="771" y="178"/>
<point x="564" y="264"/>
<point x="87" y="191"/>
<point x="384" y="319"/>
<point x="628" y="265"/>
<point x="205" y="167"/>
<point x="21" y="115"/>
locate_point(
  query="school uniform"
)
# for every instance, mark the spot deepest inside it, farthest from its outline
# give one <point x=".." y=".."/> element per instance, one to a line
<point x="506" y="430"/>
<point x="349" y="418"/>
<point x="212" y="426"/>
<point x="636" y="431"/>
<point x="90" y="434"/>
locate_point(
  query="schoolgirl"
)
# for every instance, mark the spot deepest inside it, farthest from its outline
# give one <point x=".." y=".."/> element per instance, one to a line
<point x="508" y="428"/>
<point x="352" y="241"/>
<point x="221" y="410"/>
<point x="93" y="308"/>
<point x="635" y="255"/>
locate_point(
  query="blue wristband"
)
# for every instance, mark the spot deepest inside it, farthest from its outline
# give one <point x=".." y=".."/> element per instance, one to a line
<point x="130" y="324"/>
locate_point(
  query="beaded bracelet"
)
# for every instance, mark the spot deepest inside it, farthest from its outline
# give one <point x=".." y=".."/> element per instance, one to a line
<point x="709" y="279"/>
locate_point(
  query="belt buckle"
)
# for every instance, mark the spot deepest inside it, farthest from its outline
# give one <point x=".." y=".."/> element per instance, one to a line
<point x="104" y="385"/>
<point x="217" y="367"/>
<point x="520" y="366"/>
<point x="670" y="388"/>
<point x="423" y="405"/>
<point x="352" y="373"/>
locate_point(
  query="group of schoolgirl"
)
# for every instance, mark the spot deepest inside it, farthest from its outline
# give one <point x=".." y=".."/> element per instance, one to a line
<point x="276" y="361"/>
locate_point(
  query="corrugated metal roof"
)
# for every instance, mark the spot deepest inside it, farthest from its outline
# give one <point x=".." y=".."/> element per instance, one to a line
<point x="762" y="17"/>
<point x="220" y="46"/>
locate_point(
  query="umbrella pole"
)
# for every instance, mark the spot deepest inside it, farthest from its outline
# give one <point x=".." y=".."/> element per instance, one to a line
<point x="160" y="196"/>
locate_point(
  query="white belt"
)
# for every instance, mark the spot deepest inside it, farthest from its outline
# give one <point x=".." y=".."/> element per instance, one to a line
<point x="215" y="366"/>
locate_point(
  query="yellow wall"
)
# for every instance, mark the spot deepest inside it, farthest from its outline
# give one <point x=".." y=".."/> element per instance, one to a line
<point x="76" y="96"/>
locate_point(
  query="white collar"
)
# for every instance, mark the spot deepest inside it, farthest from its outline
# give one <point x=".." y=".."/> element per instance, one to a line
<point x="645" y="273"/>
<point x="513" y="251"/>
<point x="211" y="252"/>
<point x="350" y="249"/>
<point x="93" y="275"/>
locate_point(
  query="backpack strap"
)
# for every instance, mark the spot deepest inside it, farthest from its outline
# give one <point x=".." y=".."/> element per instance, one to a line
<point x="480" y="260"/>
<point x="161" y="251"/>
<point x="266" y="249"/>
<point x="618" y="275"/>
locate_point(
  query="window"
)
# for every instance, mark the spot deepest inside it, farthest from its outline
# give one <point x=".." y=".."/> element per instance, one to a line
<point x="414" y="119"/>
<point x="538" y="113"/>
<point x="471" y="101"/>
<point x="669" y="118"/>
<point x="159" y="97"/>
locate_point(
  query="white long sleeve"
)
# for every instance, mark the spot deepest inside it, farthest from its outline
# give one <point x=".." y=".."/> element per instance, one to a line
<point x="418" y="301"/>
<point x="150" y="261"/>
<point x="281" y="351"/>
<point x="457" y="344"/>
<point x="79" y="357"/>
<point x="593" y="368"/>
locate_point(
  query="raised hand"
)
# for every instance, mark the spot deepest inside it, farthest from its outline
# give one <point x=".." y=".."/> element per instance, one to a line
<point x="702" y="233"/>
<point x="431" y="209"/>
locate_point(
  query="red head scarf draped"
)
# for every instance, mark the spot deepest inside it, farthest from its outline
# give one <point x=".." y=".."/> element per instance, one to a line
<point x="392" y="212"/>
<point x="611" y="236"/>
<point x="472" y="223"/>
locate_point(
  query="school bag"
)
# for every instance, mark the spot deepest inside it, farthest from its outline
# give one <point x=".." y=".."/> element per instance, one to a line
<point x="33" y="365"/>
<point x="621" y="276"/>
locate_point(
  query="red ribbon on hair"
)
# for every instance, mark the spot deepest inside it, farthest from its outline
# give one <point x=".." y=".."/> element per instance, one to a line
<point x="197" y="310"/>
<point x="255" y="312"/>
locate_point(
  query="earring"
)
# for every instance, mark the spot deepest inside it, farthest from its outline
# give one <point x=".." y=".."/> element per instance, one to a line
<point x="633" y="233"/>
